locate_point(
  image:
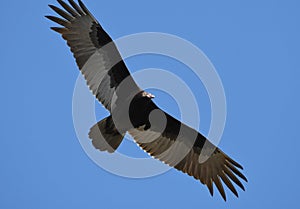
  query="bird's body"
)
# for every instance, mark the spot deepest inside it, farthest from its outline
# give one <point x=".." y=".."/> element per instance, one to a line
<point x="133" y="110"/>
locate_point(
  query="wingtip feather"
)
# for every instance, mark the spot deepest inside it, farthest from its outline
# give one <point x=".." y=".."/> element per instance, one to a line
<point x="220" y="187"/>
<point x="210" y="187"/>
<point x="58" y="29"/>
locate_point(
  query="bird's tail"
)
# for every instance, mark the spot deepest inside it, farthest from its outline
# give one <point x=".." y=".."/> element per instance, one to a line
<point x="105" y="136"/>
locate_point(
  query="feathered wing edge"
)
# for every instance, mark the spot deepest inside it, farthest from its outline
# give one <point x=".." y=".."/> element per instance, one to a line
<point x="96" y="54"/>
<point x="218" y="168"/>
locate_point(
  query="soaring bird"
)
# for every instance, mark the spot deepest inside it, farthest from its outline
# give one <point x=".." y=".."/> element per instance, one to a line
<point x="133" y="110"/>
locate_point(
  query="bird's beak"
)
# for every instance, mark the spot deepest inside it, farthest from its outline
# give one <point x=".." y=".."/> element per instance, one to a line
<point x="151" y="96"/>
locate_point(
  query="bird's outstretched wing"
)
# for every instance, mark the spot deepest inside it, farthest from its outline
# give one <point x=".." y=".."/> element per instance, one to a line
<point x="96" y="54"/>
<point x="180" y="146"/>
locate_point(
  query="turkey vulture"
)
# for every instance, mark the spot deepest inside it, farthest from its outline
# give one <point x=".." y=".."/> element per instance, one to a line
<point x="132" y="109"/>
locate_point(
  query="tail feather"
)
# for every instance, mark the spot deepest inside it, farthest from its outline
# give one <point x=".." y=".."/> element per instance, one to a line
<point x="105" y="136"/>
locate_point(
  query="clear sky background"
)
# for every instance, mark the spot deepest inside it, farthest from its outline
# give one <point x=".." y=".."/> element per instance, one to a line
<point x="254" y="46"/>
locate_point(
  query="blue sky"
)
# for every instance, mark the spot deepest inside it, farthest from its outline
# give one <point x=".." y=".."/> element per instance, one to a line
<point x="255" y="49"/>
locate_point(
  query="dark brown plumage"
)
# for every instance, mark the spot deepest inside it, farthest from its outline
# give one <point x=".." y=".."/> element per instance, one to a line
<point x="132" y="109"/>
